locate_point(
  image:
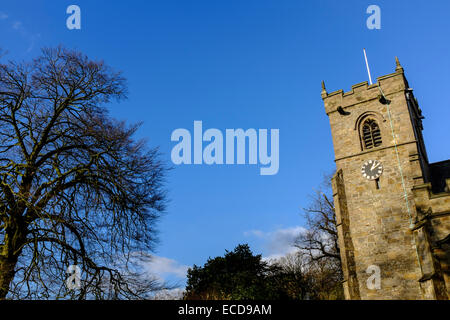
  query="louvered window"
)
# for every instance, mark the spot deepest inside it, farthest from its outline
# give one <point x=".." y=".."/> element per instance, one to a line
<point x="371" y="134"/>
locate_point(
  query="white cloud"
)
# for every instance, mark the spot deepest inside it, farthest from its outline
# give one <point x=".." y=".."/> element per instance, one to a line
<point x="277" y="243"/>
<point x="170" y="294"/>
<point x="163" y="267"/>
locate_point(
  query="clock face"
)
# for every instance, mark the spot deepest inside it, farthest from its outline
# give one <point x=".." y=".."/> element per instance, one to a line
<point x="372" y="169"/>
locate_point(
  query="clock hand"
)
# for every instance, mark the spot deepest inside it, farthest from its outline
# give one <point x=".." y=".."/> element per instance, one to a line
<point x="374" y="166"/>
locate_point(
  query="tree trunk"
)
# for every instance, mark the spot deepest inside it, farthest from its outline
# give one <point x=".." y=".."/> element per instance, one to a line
<point x="10" y="251"/>
<point x="7" y="272"/>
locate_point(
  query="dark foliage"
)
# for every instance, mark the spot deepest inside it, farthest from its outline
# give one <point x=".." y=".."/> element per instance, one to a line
<point x="241" y="275"/>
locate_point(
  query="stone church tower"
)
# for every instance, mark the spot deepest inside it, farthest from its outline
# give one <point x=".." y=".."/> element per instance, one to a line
<point x="392" y="205"/>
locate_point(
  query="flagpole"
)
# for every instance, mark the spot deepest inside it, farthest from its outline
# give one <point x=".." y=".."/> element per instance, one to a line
<point x="367" y="65"/>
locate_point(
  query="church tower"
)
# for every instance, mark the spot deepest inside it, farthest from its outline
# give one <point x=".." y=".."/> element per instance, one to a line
<point x="392" y="206"/>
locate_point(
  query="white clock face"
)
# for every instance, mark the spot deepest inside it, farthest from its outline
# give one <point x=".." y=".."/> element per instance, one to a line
<point x="372" y="169"/>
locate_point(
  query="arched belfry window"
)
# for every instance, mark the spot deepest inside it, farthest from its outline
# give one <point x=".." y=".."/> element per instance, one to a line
<point x="371" y="134"/>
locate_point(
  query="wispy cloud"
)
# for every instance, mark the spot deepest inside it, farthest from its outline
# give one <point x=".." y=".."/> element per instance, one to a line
<point x="32" y="38"/>
<point x="163" y="267"/>
<point x="279" y="242"/>
<point x="171" y="294"/>
<point x="17" y="25"/>
<point x="3" y="16"/>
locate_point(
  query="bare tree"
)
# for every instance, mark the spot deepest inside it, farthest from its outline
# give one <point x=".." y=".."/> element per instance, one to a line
<point x="75" y="187"/>
<point x="319" y="245"/>
<point x="296" y="280"/>
<point x="320" y="240"/>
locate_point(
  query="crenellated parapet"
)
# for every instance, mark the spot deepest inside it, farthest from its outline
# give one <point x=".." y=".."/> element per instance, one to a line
<point x="363" y="92"/>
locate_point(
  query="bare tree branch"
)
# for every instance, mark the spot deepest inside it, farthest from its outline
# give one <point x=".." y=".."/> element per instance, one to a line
<point x="319" y="244"/>
<point x="75" y="187"/>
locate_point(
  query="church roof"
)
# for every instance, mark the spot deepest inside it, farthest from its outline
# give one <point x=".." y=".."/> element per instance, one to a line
<point x="440" y="171"/>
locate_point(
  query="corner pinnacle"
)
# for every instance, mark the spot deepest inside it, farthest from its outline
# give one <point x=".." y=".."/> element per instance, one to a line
<point x="398" y="67"/>
<point x="324" y="90"/>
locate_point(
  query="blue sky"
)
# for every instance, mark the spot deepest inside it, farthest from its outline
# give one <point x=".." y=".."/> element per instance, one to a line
<point x="243" y="64"/>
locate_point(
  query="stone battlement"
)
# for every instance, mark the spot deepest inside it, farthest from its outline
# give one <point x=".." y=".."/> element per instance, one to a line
<point x="363" y="92"/>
